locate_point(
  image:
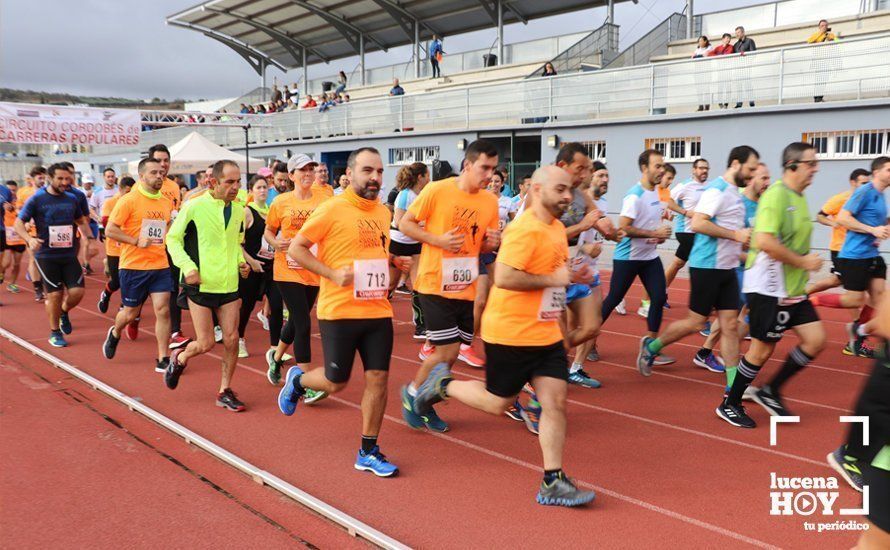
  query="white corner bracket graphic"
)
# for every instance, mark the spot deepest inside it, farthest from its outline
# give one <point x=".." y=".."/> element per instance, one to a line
<point x="862" y="420"/>
<point x="773" y="420"/>
<point x="858" y="511"/>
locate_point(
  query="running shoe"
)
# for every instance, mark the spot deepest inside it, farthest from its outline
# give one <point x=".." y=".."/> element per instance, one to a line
<point x="174" y="370"/>
<point x="425" y="351"/>
<point x="863" y="351"/>
<point x="374" y="462"/>
<point x="433" y="422"/>
<point x="228" y="400"/>
<point x="594" y="355"/>
<point x="662" y="359"/>
<point x="88" y="269"/>
<point x="242" y="348"/>
<point x="710" y="362"/>
<point x="273" y="374"/>
<point x="419" y="333"/>
<point x="104" y="298"/>
<point x="313" y="396"/>
<point x="735" y="415"/>
<point x="581" y="378"/>
<point x="621" y="308"/>
<point x="644" y="308"/>
<point x="645" y="358"/>
<point x="468" y="355"/>
<point x="748" y="395"/>
<point x="771" y="401"/>
<point x="854" y="340"/>
<point x="515" y="411"/>
<point x="12" y="287"/>
<point x="562" y="492"/>
<point x="432" y="390"/>
<point x="531" y="415"/>
<point x="527" y="388"/>
<point x="707" y="330"/>
<point x="289" y="395"/>
<point x="65" y="323"/>
<point x="217" y="334"/>
<point x="109" y="348"/>
<point x="403" y="290"/>
<point x="263" y="319"/>
<point x="162" y="364"/>
<point x="39" y="296"/>
<point x="56" y="339"/>
<point x="413" y="419"/>
<point x="847" y="466"/>
<point x="132" y="330"/>
<point x="177" y="340"/>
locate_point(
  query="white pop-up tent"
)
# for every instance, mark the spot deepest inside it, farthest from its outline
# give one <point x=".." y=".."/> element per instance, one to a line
<point x="194" y="153"/>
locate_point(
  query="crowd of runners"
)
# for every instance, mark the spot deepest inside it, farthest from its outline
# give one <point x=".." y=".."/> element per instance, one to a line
<point x="520" y="274"/>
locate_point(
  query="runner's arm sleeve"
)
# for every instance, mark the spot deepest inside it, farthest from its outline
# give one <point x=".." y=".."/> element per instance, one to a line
<point x="421" y="206"/>
<point x="630" y="207"/>
<point x="855" y="202"/>
<point x="27" y="211"/>
<point x="175" y="240"/>
<point x="709" y="202"/>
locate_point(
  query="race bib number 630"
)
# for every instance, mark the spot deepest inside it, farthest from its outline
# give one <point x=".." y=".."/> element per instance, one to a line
<point x="459" y="273"/>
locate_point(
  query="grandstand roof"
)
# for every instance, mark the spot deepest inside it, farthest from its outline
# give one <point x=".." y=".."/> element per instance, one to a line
<point x="278" y="31"/>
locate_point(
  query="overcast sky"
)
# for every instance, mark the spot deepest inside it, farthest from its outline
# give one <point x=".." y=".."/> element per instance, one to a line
<point x="124" y="48"/>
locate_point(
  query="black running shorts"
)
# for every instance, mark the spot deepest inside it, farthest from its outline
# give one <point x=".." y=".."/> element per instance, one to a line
<point x="508" y="368"/>
<point x="769" y="320"/>
<point x="401" y="249"/>
<point x="713" y="289"/>
<point x="857" y="274"/>
<point x="60" y="272"/>
<point x="342" y="338"/>
<point x="447" y="320"/>
<point x="205" y="299"/>
<point x="685" y="240"/>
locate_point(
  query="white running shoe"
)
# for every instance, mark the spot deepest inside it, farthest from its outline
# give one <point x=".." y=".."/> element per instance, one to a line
<point x="621" y="308"/>
<point x="263" y="319"/>
<point x="242" y="348"/>
<point x="644" y="309"/>
<point x="217" y="334"/>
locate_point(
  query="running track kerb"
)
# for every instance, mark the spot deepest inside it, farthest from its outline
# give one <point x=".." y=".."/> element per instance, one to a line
<point x="665" y="468"/>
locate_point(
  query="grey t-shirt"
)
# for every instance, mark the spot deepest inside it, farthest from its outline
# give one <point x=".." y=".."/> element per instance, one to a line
<point x="575" y="213"/>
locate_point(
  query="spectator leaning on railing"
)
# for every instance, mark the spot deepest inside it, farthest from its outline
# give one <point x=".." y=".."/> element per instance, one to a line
<point x="822" y="35"/>
<point x="723" y="48"/>
<point x="548" y="69"/>
<point x="396" y="88"/>
<point x="341" y="83"/>
<point x="702" y="77"/>
<point x="743" y="45"/>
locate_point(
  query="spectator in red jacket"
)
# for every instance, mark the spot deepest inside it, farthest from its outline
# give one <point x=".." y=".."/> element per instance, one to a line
<point x="724" y="48"/>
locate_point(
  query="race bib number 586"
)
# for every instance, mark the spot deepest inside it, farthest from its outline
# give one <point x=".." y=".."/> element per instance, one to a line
<point x="61" y="236"/>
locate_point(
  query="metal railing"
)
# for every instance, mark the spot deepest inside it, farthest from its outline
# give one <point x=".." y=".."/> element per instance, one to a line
<point x="776" y="14"/>
<point x="845" y="70"/>
<point x="590" y="49"/>
<point x="654" y="42"/>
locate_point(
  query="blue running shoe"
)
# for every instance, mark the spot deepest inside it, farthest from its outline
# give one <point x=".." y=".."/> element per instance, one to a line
<point x="433" y="422"/>
<point x="645" y="358"/>
<point x="531" y="415"/>
<point x="707" y="330"/>
<point x="562" y="492"/>
<point x="374" y="461"/>
<point x="65" y="323"/>
<point x="413" y="419"/>
<point x="432" y="390"/>
<point x="581" y="378"/>
<point x="514" y="412"/>
<point x="710" y="362"/>
<point x="576" y="292"/>
<point x="56" y="339"/>
<point x="288" y="397"/>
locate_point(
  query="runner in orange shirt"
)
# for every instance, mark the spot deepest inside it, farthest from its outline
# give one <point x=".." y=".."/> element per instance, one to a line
<point x="322" y="184"/>
<point x="293" y="284"/>
<point x="38" y="179"/>
<point x="351" y="232"/>
<point x="112" y="247"/>
<point x="14" y="246"/>
<point x="139" y="222"/>
<point x="461" y="221"/>
<point x="521" y="331"/>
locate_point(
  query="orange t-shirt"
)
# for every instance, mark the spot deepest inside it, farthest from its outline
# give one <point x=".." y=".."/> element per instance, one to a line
<point x="352" y="231"/>
<point x="21" y="197"/>
<point x="170" y="190"/>
<point x="442" y="206"/>
<point x="528" y="317"/>
<point x="832" y="207"/>
<point x="322" y="189"/>
<point x="140" y="213"/>
<point x="12" y="236"/>
<point x="112" y="247"/>
<point x="287" y="214"/>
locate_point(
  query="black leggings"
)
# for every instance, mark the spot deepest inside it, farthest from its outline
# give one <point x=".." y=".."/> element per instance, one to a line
<point x="252" y="290"/>
<point x="175" y="312"/>
<point x="651" y="273"/>
<point x="874" y="403"/>
<point x="114" y="280"/>
<point x="299" y="299"/>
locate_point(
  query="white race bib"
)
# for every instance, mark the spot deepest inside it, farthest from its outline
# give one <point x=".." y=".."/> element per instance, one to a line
<point x="11" y="235"/>
<point x="61" y="236"/>
<point x="459" y="273"/>
<point x="173" y="214"/>
<point x="371" y="279"/>
<point x="266" y="251"/>
<point x="502" y="223"/>
<point x="294" y="264"/>
<point x="154" y="231"/>
<point x="553" y="303"/>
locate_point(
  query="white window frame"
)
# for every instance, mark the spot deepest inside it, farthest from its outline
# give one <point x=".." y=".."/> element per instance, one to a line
<point x="832" y="137"/>
<point x="596" y="150"/>
<point x="402" y="156"/>
<point x="669" y="145"/>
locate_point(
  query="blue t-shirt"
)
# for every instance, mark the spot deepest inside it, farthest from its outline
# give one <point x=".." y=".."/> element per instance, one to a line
<point x="273" y="192"/>
<point x="54" y="217"/>
<point x="868" y="206"/>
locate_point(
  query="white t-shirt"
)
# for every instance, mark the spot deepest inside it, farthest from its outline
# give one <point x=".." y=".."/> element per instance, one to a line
<point x="646" y="211"/>
<point x="592" y="235"/>
<point x="722" y="202"/>
<point x="505" y="206"/>
<point x="686" y="195"/>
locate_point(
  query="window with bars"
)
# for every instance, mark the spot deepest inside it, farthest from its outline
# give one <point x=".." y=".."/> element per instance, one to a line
<point x="596" y="150"/>
<point x="849" y="144"/>
<point x="399" y="156"/>
<point x="680" y="149"/>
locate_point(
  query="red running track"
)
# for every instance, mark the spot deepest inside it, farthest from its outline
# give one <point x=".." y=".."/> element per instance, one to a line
<point x="666" y="470"/>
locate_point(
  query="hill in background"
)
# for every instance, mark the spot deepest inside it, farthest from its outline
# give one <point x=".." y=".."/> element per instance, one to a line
<point x="50" y="98"/>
